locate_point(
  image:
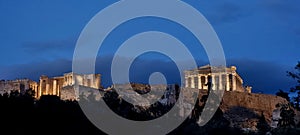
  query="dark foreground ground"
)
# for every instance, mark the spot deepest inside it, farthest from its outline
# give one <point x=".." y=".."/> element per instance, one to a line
<point x="22" y="114"/>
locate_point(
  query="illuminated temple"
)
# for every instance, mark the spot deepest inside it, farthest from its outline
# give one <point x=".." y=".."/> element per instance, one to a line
<point x="61" y="86"/>
<point x="221" y="79"/>
<point x="55" y="85"/>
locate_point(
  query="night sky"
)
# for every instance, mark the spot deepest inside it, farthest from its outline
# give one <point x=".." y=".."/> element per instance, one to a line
<point x="260" y="37"/>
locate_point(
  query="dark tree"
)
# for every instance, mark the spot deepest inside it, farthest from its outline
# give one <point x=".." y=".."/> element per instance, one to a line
<point x="283" y="94"/>
<point x="263" y="125"/>
<point x="296" y="89"/>
<point x="287" y="115"/>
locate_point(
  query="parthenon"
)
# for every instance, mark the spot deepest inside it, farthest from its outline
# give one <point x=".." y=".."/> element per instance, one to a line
<point x="227" y="79"/>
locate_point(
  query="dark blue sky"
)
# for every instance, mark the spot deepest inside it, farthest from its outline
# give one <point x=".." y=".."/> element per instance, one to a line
<point x="260" y="37"/>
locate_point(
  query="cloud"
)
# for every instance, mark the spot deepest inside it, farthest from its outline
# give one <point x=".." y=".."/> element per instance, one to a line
<point x="49" y="46"/>
<point x="228" y="12"/>
<point x="48" y="50"/>
<point x="225" y="11"/>
<point x="282" y="6"/>
<point x="285" y="11"/>
<point x="35" y="70"/>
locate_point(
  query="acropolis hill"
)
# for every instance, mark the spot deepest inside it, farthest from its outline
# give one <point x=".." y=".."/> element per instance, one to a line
<point x="241" y="108"/>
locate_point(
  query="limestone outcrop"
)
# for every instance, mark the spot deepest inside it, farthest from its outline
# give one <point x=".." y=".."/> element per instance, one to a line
<point x="249" y="110"/>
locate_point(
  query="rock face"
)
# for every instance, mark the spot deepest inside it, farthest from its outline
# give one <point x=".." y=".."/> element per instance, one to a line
<point x="240" y="112"/>
<point x="249" y="111"/>
<point x="68" y="93"/>
<point x="258" y="103"/>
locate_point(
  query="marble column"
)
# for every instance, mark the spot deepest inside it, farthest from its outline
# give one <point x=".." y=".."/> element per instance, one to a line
<point x="54" y="87"/>
<point x="227" y="83"/>
<point x="199" y="82"/>
<point x="206" y="80"/>
<point x="70" y="80"/>
<point x="94" y="82"/>
<point x="233" y="83"/>
<point x="67" y="81"/>
<point x="192" y="82"/>
<point x="98" y="81"/>
<point x="220" y="82"/>
<point x="213" y="82"/>
<point x="186" y="82"/>
<point x="85" y="82"/>
<point x="40" y="89"/>
<point x="58" y="90"/>
<point x="47" y="89"/>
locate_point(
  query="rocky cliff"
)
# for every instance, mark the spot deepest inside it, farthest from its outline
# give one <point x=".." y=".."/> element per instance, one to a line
<point x="259" y="104"/>
<point x="240" y="113"/>
<point x="249" y="111"/>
